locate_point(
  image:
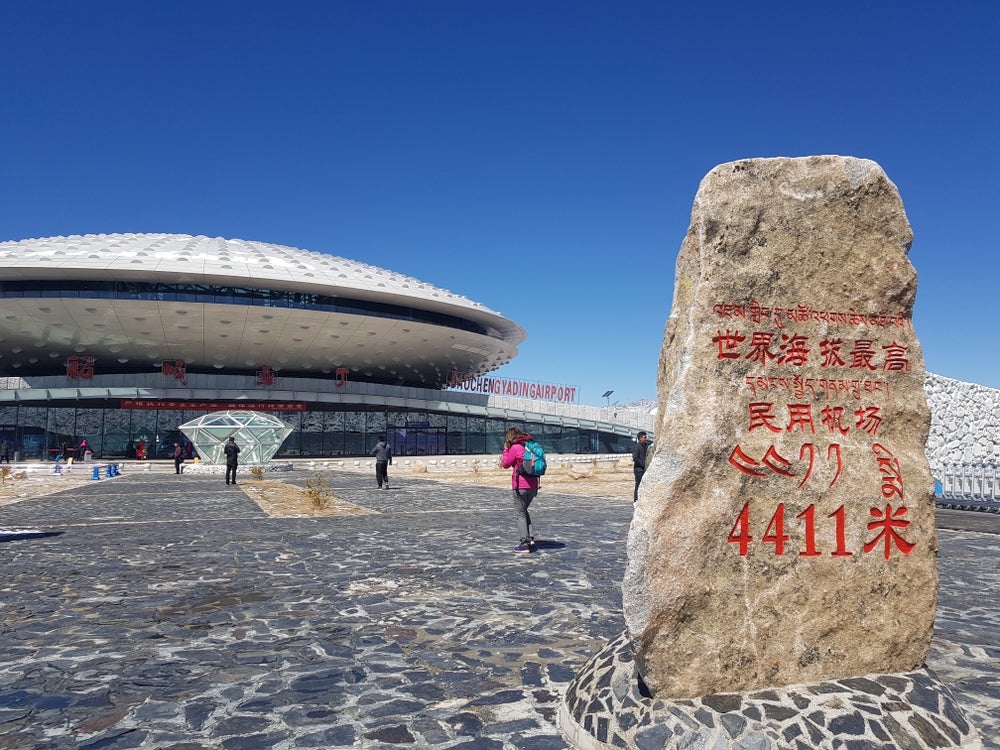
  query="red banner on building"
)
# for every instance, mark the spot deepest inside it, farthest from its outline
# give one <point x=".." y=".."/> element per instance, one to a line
<point x="142" y="403"/>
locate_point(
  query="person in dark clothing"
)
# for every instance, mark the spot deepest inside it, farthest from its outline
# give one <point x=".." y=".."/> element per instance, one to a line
<point x="639" y="454"/>
<point x="4" y="452"/>
<point x="383" y="457"/>
<point x="178" y="457"/>
<point x="232" y="459"/>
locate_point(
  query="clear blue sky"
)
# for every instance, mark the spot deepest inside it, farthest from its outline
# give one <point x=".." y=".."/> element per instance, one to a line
<point x="450" y="140"/>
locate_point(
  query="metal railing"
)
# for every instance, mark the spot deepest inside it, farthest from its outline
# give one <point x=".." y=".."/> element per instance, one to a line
<point x="970" y="482"/>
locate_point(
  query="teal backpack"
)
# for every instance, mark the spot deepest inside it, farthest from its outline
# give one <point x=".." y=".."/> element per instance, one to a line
<point x="534" y="459"/>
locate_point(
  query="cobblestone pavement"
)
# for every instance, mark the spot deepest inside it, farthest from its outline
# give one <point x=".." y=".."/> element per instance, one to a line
<point x="169" y="612"/>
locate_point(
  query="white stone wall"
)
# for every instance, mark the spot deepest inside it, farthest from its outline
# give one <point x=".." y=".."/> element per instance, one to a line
<point x="965" y="422"/>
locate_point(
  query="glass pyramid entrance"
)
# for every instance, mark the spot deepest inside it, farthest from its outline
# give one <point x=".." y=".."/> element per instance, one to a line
<point x="259" y="435"/>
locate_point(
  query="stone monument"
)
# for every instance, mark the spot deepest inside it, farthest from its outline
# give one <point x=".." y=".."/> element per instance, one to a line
<point x="783" y="543"/>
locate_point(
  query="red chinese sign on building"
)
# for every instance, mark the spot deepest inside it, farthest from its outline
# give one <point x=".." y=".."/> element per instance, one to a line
<point x="176" y="369"/>
<point x="266" y="376"/>
<point x="163" y="405"/>
<point x="80" y="368"/>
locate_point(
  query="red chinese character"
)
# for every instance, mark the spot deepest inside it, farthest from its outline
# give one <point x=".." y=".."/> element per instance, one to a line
<point x="831" y="416"/>
<point x="761" y="416"/>
<point x="895" y="358"/>
<point x="760" y="350"/>
<point x="869" y="419"/>
<point x="178" y="369"/>
<point x="265" y="376"/>
<point x="830" y="349"/>
<point x="888" y="522"/>
<point x="341" y="376"/>
<point x="794" y="348"/>
<point x="800" y="415"/>
<point x="861" y="357"/>
<point x="727" y="343"/>
<point x="80" y="367"/>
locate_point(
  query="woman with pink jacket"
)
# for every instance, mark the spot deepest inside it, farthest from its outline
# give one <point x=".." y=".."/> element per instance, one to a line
<point x="523" y="489"/>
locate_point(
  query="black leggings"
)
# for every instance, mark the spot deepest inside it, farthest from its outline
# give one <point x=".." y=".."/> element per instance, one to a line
<point x="522" y="499"/>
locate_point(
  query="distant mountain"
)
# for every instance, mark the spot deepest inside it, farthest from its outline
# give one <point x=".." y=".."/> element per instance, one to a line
<point x="645" y="406"/>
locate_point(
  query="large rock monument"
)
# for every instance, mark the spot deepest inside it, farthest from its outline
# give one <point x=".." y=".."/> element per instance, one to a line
<point x="785" y="531"/>
<point x="784" y="535"/>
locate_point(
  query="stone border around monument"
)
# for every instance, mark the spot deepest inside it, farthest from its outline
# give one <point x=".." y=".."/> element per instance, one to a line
<point x="606" y="708"/>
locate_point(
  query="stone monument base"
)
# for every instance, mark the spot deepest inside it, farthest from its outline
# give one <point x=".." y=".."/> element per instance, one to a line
<point x="607" y="706"/>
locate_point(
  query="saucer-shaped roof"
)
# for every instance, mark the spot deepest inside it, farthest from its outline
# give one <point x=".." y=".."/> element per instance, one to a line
<point x="132" y="301"/>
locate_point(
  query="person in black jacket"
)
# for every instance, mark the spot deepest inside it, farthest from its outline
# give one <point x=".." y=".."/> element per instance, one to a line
<point x="639" y="461"/>
<point x="232" y="461"/>
<point x="383" y="457"/>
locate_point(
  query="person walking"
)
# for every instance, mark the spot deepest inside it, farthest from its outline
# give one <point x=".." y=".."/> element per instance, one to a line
<point x="178" y="457"/>
<point x="639" y="454"/>
<point x="232" y="459"/>
<point x="140" y="452"/>
<point x="4" y="452"/>
<point x="383" y="458"/>
<point x="523" y="489"/>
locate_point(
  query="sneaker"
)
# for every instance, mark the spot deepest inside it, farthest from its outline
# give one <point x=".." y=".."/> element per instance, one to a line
<point x="522" y="549"/>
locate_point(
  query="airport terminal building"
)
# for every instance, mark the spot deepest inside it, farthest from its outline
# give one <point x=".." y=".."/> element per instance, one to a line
<point x="119" y="339"/>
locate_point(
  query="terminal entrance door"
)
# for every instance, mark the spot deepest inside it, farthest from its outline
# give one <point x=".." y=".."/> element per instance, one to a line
<point x="417" y="441"/>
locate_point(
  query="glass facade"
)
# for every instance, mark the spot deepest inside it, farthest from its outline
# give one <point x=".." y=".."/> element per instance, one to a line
<point x="40" y="433"/>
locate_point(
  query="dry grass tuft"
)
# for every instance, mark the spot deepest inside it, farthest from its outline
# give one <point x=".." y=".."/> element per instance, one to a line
<point x="281" y="500"/>
<point x="318" y="492"/>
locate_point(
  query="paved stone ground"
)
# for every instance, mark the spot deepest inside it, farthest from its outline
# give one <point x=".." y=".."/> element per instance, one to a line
<point x="170" y="612"/>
